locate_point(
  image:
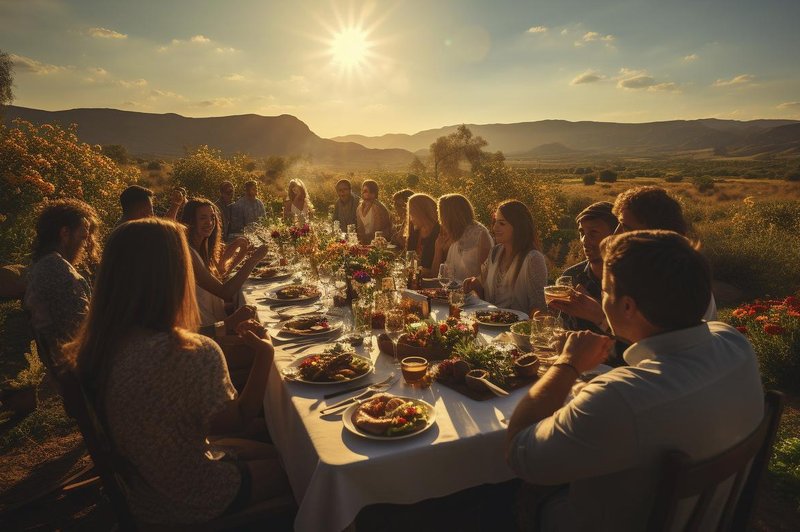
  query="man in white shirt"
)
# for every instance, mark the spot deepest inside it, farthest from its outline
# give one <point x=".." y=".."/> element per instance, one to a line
<point x="690" y="385"/>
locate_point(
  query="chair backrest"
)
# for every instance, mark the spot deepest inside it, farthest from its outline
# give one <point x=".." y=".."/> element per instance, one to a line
<point x="682" y="479"/>
<point x="107" y="463"/>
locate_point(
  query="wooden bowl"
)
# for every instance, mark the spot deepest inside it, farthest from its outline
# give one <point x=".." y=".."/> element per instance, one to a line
<point x="473" y="382"/>
<point x="527" y="365"/>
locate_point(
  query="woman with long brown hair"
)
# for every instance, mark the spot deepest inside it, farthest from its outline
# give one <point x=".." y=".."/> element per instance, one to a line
<point x="371" y="214"/>
<point x="422" y="230"/>
<point x="515" y="272"/>
<point x="463" y="242"/>
<point x="160" y="389"/>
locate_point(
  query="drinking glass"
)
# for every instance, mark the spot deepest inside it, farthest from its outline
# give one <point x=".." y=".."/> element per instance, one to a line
<point x="395" y="323"/>
<point x="542" y="331"/>
<point x="362" y="320"/>
<point x="414" y="370"/>
<point x="564" y="280"/>
<point x="326" y="274"/>
<point x="444" y="275"/>
<point x="456" y="299"/>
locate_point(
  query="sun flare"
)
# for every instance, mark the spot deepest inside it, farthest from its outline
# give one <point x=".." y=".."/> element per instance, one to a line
<point x="350" y="48"/>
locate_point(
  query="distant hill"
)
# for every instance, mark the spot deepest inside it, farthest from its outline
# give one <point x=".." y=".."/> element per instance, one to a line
<point x="601" y="138"/>
<point x="167" y="135"/>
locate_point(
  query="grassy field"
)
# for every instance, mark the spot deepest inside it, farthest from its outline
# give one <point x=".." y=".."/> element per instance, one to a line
<point x="37" y="450"/>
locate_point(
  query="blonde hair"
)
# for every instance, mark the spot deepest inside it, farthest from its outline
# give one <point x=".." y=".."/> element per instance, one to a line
<point x="455" y="214"/>
<point x="151" y="290"/>
<point x="422" y="205"/>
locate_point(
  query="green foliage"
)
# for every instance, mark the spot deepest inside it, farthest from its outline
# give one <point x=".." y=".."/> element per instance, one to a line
<point x="32" y="374"/>
<point x="46" y="162"/>
<point x="703" y="183"/>
<point x="589" y="180"/>
<point x="47" y="421"/>
<point x="674" y="178"/>
<point x="6" y="80"/>
<point x="607" y="176"/>
<point x="154" y="166"/>
<point x="447" y="152"/>
<point x="202" y="170"/>
<point x="785" y="466"/>
<point x="116" y="152"/>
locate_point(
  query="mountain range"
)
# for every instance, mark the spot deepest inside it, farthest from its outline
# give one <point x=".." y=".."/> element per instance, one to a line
<point x="168" y="136"/>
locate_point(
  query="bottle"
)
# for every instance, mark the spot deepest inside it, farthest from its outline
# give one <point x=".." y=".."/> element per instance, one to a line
<point x="412" y="270"/>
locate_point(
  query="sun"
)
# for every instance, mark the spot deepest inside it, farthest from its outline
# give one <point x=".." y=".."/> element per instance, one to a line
<point x="350" y="49"/>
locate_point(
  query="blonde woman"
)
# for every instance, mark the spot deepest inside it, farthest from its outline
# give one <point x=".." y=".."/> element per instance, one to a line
<point x="161" y="390"/>
<point x="422" y="231"/>
<point x="298" y="204"/>
<point x="371" y="214"/>
<point x="515" y="272"/>
<point x="400" y="218"/>
<point x="463" y="243"/>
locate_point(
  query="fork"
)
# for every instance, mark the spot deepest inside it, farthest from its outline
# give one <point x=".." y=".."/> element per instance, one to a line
<point x="377" y="387"/>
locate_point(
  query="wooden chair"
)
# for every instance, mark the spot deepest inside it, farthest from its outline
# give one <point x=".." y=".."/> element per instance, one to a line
<point x="682" y="479"/>
<point x="110" y="467"/>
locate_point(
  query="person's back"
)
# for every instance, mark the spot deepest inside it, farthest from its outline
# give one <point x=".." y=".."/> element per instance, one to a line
<point x="159" y="401"/>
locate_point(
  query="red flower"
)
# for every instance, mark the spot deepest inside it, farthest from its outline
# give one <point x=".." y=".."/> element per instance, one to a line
<point x="794" y="313"/>
<point x="443" y="328"/>
<point x="739" y="313"/>
<point x="773" y="328"/>
<point x="742" y="329"/>
<point x="791" y="301"/>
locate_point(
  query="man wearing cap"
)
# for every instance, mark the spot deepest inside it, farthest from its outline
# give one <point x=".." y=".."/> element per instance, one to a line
<point x="595" y="222"/>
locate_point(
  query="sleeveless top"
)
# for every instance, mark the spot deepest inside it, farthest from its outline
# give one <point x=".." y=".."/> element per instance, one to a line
<point x="211" y="307"/>
<point x="301" y="214"/>
<point x="462" y="257"/>
<point x="368" y="220"/>
<point x="524" y="293"/>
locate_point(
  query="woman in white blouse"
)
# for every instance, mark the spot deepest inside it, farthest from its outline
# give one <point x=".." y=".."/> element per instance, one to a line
<point x="298" y="204"/>
<point x="515" y="273"/>
<point x="371" y="214"/>
<point x="463" y="243"/>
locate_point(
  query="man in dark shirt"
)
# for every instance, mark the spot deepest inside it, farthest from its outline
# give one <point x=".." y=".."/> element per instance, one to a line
<point x="344" y="209"/>
<point x="595" y="222"/>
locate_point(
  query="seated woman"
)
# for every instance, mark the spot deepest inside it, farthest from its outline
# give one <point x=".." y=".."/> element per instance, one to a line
<point x="463" y="243"/>
<point x="515" y="273"/>
<point x="371" y="214"/>
<point x="161" y="389"/>
<point x="297" y="206"/>
<point x="400" y="217"/>
<point x="423" y="230"/>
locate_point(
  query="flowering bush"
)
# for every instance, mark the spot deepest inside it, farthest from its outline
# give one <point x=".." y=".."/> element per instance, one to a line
<point x="39" y="163"/>
<point x="773" y="327"/>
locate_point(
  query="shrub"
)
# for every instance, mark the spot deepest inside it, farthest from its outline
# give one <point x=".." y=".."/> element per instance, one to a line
<point x="46" y="162"/>
<point x="607" y="176"/>
<point x="154" y="166"/>
<point x="773" y="328"/>
<point x="589" y="180"/>
<point x="202" y="170"/>
<point x="674" y="178"/>
<point x="703" y="183"/>
<point x="793" y="176"/>
<point x="785" y="465"/>
<point x="116" y="152"/>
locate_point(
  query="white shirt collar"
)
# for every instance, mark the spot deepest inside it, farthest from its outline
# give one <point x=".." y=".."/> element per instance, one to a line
<point x="664" y="343"/>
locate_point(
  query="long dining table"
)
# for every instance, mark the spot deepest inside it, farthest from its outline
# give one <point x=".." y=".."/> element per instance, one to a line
<point x="335" y="473"/>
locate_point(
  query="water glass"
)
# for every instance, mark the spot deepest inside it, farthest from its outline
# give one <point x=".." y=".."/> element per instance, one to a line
<point x="394" y="326"/>
<point x="444" y="275"/>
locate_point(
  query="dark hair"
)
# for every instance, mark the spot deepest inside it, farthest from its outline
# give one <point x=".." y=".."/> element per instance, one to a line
<point x="601" y="210"/>
<point x="371" y="185"/>
<point x="653" y="207"/>
<point x="133" y="196"/>
<point x="663" y="272"/>
<point x="525" y="237"/>
<point x="402" y="196"/>
<point x="224" y="184"/>
<point x="251" y="183"/>
<point x="344" y="182"/>
<point x="210" y="249"/>
<point x="68" y="213"/>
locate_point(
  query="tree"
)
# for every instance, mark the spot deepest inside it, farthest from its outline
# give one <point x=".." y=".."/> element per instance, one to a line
<point x="116" y="152"/>
<point x="448" y="151"/>
<point x="607" y="176"/>
<point x="6" y="80"/>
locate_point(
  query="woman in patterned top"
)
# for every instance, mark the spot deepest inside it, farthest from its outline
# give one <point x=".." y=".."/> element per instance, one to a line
<point x="161" y="389"/>
<point x="515" y="272"/>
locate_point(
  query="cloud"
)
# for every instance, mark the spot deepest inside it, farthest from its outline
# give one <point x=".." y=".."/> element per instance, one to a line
<point x="641" y="80"/>
<point x="157" y="94"/>
<point x="196" y="41"/>
<point x="200" y="39"/>
<point x="225" y="49"/>
<point x="590" y="76"/>
<point x="26" y="65"/>
<point x="594" y="37"/>
<point x="738" y="81"/>
<point x="234" y="77"/>
<point x="216" y="102"/>
<point x="538" y="29"/>
<point x="134" y="83"/>
<point x="105" y="33"/>
<point x="690" y="58"/>
<point x="791" y="106"/>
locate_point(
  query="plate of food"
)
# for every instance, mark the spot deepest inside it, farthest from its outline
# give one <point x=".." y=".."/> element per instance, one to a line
<point x="269" y="273"/>
<point x="389" y="417"/>
<point x="439" y="294"/>
<point x="310" y="325"/>
<point x="334" y="366"/>
<point x="499" y="317"/>
<point x="293" y="293"/>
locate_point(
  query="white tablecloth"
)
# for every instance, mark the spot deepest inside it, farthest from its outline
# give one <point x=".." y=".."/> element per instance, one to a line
<point x="334" y="473"/>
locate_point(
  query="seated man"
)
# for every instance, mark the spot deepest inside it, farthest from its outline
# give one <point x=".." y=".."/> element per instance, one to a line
<point x="344" y="210"/>
<point x="137" y="203"/>
<point x="247" y="209"/>
<point x="690" y="385"/>
<point x="595" y="222"/>
<point x="57" y="296"/>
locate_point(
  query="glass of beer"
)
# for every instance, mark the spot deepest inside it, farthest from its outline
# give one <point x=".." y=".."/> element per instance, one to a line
<point x="414" y="370"/>
<point x="556" y="292"/>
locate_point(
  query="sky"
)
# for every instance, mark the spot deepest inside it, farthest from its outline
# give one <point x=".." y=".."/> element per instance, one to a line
<point x="402" y="66"/>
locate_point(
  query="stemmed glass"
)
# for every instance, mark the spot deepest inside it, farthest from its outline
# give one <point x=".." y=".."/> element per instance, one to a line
<point x="456" y="298"/>
<point x="444" y="275"/>
<point x="394" y="325"/>
<point x="326" y="274"/>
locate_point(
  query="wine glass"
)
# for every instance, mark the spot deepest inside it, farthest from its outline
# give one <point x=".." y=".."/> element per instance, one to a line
<point x="444" y="275"/>
<point x="394" y="326"/>
<point x="456" y="299"/>
<point x="564" y="280"/>
<point x="325" y="272"/>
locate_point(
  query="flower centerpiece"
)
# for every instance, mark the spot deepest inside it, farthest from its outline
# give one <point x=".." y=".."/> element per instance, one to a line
<point x="773" y="327"/>
<point x="435" y="339"/>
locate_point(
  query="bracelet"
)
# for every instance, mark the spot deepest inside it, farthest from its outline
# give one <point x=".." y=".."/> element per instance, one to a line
<point x="220" y="329"/>
<point x="567" y="365"/>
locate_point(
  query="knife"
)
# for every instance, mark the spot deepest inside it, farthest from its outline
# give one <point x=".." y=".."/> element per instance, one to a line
<point x="356" y="388"/>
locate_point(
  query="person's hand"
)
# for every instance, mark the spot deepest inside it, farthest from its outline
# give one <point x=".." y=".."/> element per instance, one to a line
<point x="255" y="335"/>
<point x="177" y="198"/>
<point x="580" y="305"/>
<point x="585" y="350"/>
<point x="470" y="284"/>
<point x="258" y="254"/>
<point x="243" y="313"/>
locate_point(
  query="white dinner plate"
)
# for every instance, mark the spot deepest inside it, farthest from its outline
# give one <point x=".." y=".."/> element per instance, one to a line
<point x="297" y="378"/>
<point x="347" y="419"/>
<point x="334" y="325"/>
<point x="270" y="295"/>
<point x="521" y="315"/>
<point x="277" y="277"/>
